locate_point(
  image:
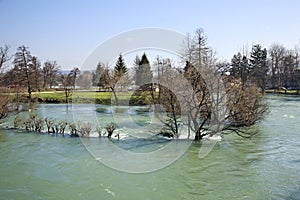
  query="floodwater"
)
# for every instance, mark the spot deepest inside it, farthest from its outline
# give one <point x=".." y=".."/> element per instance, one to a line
<point x="267" y="166"/>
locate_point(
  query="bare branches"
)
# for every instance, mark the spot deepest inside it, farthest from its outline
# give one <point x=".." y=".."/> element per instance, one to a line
<point x="4" y="55"/>
<point x="4" y="103"/>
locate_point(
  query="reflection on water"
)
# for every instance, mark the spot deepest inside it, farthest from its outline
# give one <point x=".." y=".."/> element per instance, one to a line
<point x="265" y="167"/>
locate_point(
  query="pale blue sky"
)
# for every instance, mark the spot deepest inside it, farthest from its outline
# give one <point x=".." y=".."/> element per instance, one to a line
<point x="67" y="31"/>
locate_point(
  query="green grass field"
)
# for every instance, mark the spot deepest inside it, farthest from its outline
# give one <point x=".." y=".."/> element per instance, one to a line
<point x="93" y="97"/>
<point x="289" y="92"/>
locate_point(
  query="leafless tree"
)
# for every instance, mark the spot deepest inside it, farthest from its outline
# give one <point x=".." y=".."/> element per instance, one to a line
<point x="5" y="100"/>
<point x="4" y="97"/>
<point x="50" y="72"/>
<point x="206" y="102"/>
<point x="68" y="85"/>
<point x="4" y="55"/>
<point x="276" y="53"/>
<point x="85" y="80"/>
<point x="35" y="73"/>
<point x="23" y="62"/>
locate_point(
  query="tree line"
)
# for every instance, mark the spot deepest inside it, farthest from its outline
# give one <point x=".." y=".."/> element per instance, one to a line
<point x="28" y="73"/>
<point x="273" y="68"/>
<point x="194" y="94"/>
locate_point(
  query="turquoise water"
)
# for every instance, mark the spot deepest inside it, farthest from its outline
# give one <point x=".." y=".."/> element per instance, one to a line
<point x="34" y="166"/>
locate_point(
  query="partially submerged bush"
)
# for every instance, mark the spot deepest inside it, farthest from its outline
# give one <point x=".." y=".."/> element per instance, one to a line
<point x="49" y="123"/>
<point x="245" y="105"/>
<point x="84" y="128"/>
<point x="110" y="128"/>
<point x="99" y="131"/>
<point x="74" y="130"/>
<point x="18" y="122"/>
<point x="142" y="110"/>
<point x="101" y="110"/>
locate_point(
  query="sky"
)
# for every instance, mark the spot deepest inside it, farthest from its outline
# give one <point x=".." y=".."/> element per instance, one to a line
<point x="68" y="31"/>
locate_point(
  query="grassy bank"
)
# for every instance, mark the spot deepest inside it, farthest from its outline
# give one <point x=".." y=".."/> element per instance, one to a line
<point x="285" y="92"/>
<point x="107" y="97"/>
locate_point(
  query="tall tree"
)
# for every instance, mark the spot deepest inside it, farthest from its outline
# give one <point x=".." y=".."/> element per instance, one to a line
<point x="110" y="81"/>
<point x="196" y="50"/>
<point x="84" y="80"/>
<point x="120" y="67"/>
<point x="4" y="104"/>
<point x="143" y="73"/>
<point x="121" y="72"/>
<point x="74" y="73"/>
<point x="22" y="63"/>
<point x="98" y="76"/>
<point x="258" y="66"/>
<point x="288" y="69"/>
<point x="239" y="67"/>
<point x="276" y="53"/>
<point x="236" y="62"/>
<point x="36" y="73"/>
<point x="4" y="55"/>
<point x="50" y="73"/>
<point x="68" y="85"/>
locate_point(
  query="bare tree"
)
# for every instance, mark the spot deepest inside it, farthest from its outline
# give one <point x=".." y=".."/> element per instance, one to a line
<point x="4" y="55"/>
<point x="73" y="75"/>
<point x="196" y="49"/>
<point x="68" y="85"/>
<point x="110" y="81"/>
<point x="5" y="100"/>
<point x="246" y="106"/>
<point x="50" y="72"/>
<point x="204" y="103"/>
<point x="276" y="53"/>
<point x="22" y="62"/>
<point x="85" y="80"/>
<point x="35" y="73"/>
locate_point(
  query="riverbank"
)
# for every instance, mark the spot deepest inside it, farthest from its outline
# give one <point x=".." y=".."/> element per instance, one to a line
<point x="283" y="92"/>
<point x="263" y="167"/>
<point x="98" y="97"/>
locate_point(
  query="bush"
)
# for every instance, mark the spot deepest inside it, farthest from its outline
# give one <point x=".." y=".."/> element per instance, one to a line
<point x="84" y="128"/>
<point x="110" y="128"/>
<point x="142" y="110"/>
<point x="101" y="110"/>
<point x="18" y="122"/>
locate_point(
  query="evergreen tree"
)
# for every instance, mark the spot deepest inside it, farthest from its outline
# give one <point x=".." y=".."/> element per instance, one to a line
<point x="99" y="76"/>
<point x="120" y="67"/>
<point x="143" y="72"/>
<point x="258" y="66"/>
<point x="120" y="75"/>
<point x="244" y="71"/>
<point x="236" y="65"/>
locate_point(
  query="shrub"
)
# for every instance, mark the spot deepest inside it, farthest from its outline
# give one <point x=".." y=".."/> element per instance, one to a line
<point x="110" y="128"/>
<point x="101" y="110"/>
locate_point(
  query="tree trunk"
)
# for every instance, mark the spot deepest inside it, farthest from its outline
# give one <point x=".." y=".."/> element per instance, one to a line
<point x="116" y="98"/>
<point x="198" y="135"/>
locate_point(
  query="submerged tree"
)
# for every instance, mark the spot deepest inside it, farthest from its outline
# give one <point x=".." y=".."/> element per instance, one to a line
<point x="208" y="103"/>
